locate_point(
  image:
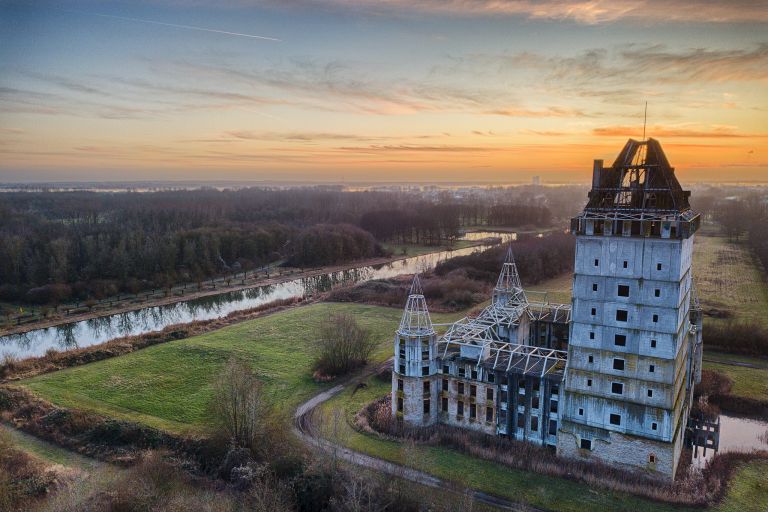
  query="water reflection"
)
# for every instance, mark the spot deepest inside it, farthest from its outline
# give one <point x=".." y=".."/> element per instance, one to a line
<point x="101" y="329"/>
<point x="736" y="435"/>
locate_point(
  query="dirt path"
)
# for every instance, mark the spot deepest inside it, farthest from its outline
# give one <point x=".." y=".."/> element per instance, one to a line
<point x="303" y="428"/>
<point x="49" y="452"/>
<point x="221" y="289"/>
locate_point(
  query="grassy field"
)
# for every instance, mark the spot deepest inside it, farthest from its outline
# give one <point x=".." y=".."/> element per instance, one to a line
<point x="169" y="386"/>
<point x="730" y="278"/>
<point x="537" y="490"/>
<point x="747" y="382"/>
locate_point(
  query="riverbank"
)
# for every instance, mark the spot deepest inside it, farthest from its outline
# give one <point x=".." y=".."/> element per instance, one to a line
<point x="219" y="289"/>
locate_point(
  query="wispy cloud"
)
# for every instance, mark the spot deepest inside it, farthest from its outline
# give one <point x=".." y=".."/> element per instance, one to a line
<point x="579" y="11"/>
<point x="712" y="132"/>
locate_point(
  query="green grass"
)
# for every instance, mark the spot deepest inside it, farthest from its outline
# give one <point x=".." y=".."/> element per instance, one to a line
<point x="747" y="382"/>
<point x="729" y="277"/>
<point x="46" y="451"/>
<point x="522" y="486"/>
<point x="749" y="490"/>
<point x="169" y="386"/>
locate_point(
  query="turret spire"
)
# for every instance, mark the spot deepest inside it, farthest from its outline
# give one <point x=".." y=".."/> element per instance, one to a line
<point x="509" y="289"/>
<point x="416" y="320"/>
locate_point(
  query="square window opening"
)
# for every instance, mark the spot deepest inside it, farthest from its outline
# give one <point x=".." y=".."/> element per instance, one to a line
<point x="622" y="315"/>
<point x="615" y="419"/>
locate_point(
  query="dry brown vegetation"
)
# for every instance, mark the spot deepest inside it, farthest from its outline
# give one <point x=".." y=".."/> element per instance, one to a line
<point x="12" y="369"/>
<point x="450" y="292"/>
<point x="689" y="489"/>
<point x="713" y="395"/>
<point x="748" y="338"/>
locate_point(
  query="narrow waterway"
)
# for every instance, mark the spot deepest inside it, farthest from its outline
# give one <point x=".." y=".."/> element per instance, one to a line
<point x="101" y="329"/>
<point x="736" y="435"/>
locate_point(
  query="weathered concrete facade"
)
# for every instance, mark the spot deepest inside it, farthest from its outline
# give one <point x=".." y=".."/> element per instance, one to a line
<point x="623" y="390"/>
<point x="633" y="354"/>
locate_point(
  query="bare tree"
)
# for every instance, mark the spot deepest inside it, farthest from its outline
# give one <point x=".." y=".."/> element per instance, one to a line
<point x="343" y="345"/>
<point x="240" y="407"/>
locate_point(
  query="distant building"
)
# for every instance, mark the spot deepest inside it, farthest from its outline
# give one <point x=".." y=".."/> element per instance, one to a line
<point x="609" y="376"/>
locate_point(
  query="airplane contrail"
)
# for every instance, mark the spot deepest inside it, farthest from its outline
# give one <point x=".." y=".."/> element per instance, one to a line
<point x="174" y="25"/>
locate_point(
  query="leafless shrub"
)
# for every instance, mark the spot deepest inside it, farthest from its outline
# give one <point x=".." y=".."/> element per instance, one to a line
<point x="343" y="345"/>
<point x="240" y="408"/>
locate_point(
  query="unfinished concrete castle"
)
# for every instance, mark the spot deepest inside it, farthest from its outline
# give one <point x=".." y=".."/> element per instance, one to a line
<point x="609" y="376"/>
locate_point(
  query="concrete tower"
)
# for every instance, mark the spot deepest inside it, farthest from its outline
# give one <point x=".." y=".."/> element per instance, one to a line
<point x="633" y="356"/>
<point x="414" y="387"/>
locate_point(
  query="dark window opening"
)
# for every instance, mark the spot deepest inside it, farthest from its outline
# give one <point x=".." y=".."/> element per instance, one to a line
<point x="491" y="377"/>
<point x="626" y="263"/>
<point x="593" y="311"/>
<point x="424" y="370"/>
<point x="591" y="359"/>
<point x="650" y="393"/>
<point x="654" y="426"/>
<point x="589" y="383"/>
<point x="658" y="266"/>
<point x="653" y="343"/>
<point x="426" y="386"/>
<point x="462" y="372"/>
<point x="597" y="263"/>
<point x="459" y="409"/>
<point x="652" y="459"/>
<point x="552" y="427"/>
<point x="444" y="403"/>
<point x="621" y="315"/>
<point x="399" y="384"/>
<point x="534" y="423"/>
<point x="591" y="335"/>
<point x="489" y="414"/>
<point x="655" y="318"/>
<point x="620" y="340"/>
<point x="535" y="402"/>
<point x="623" y="290"/>
<point x="472" y="411"/>
<point x="618" y="364"/>
<point x="553" y="406"/>
<point x="400" y="404"/>
<point x="489" y="394"/>
<point x="586" y="444"/>
<point x="426" y="406"/>
<point x="594" y="287"/>
<point x="461" y="388"/>
<point x="617" y="388"/>
<point x="615" y="419"/>
<point x="657" y="292"/>
<point x="652" y="368"/>
<point x="472" y="390"/>
<point x="474" y="374"/>
<point x="446" y="369"/>
<point x="445" y="384"/>
<point x="581" y="412"/>
<point x="401" y="369"/>
<point x="520" y="420"/>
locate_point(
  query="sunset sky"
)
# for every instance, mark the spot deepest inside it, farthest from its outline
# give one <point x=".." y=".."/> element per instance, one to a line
<point x="378" y="90"/>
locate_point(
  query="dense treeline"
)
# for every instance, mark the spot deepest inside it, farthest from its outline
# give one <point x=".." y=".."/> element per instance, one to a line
<point x="59" y="246"/>
<point x="537" y="259"/>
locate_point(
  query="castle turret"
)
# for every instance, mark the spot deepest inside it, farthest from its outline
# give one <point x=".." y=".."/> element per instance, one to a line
<point x="508" y="288"/>
<point x="414" y="389"/>
<point x="632" y="351"/>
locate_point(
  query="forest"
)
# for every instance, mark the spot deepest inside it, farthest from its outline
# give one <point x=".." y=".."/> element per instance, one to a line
<point x="58" y="246"/>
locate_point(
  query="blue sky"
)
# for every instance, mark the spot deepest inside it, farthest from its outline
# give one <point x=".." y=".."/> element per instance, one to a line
<point x="472" y="90"/>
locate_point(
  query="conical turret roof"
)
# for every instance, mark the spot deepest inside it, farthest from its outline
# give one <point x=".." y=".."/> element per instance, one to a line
<point x="508" y="287"/>
<point x="416" y="320"/>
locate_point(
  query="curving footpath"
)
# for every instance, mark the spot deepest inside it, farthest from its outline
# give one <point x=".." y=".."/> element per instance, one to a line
<point x="303" y="429"/>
